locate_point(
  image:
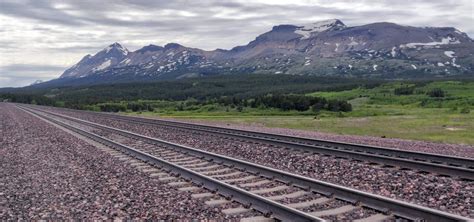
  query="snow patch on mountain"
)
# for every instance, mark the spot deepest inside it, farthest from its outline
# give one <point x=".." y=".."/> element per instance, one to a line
<point x="306" y="29"/>
<point x="352" y="43"/>
<point x="126" y="61"/>
<point x="36" y="82"/>
<point x="449" y="54"/>
<point x="454" y="63"/>
<point x="393" y="52"/>
<point x="103" y="66"/>
<point x="444" y="41"/>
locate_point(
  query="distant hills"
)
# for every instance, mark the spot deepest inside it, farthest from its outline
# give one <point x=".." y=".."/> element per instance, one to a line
<point x="325" y="48"/>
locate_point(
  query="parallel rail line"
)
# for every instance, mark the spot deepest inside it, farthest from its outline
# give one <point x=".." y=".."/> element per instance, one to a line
<point x="426" y="162"/>
<point x="382" y="204"/>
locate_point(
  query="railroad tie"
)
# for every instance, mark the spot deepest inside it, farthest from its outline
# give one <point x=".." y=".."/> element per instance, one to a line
<point x="202" y="195"/>
<point x="204" y="168"/>
<point x="178" y="184"/>
<point x="257" y="219"/>
<point x="269" y="190"/>
<point x="159" y="175"/>
<point x="289" y="196"/>
<point x="184" y="158"/>
<point x="166" y="179"/>
<point x="215" y="202"/>
<point x="190" y="163"/>
<point x="335" y="211"/>
<point x="216" y="171"/>
<point x="239" y="179"/>
<point x="184" y="164"/>
<point x="237" y="210"/>
<point x="191" y="188"/>
<point x="150" y="170"/>
<point x="309" y="202"/>
<point x="137" y="164"/>
<point x="254" y="184"/>
<point x="228" y="174"/>
<point x="375" y="218"/>
<point x="125" y="158"/>
<point x="133" y="161"/>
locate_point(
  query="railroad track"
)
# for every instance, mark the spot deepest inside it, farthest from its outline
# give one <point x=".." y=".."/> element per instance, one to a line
<point x="275" y="193"/>
<point x="443" y="165"/>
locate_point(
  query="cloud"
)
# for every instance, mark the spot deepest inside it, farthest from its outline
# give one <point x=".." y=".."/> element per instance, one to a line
<point x="58" y="33"/>
<point x="15" y="75"/>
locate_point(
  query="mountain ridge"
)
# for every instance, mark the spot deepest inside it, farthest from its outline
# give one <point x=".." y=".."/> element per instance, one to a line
<point x="321" y="48"/>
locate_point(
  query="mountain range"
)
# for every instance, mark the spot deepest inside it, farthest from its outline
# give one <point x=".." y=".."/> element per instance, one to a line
<point x="325" y="48"/>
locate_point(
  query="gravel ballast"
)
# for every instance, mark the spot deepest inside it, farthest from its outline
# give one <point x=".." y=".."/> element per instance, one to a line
<point x="446" y="194"/>
<point x="49" y="174"/>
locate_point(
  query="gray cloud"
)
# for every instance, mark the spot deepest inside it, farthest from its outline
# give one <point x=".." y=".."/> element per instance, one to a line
<point x="48" y="34"/>
<point x="25" y="74"/>
<point x="26" y="68"/>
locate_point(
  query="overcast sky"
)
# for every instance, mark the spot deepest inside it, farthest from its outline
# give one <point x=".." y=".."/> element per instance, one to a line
<point x="39" y="39"/>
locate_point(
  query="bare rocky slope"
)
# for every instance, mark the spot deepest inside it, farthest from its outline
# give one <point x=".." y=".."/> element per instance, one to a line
<point x="325" y="48"/>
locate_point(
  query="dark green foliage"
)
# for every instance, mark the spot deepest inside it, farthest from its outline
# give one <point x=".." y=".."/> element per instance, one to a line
<point x="338" y="105"/>
<point x="465" y="110"/>
<point x="404" y="90"/>
<point x="112" y="107"/>
<point x="139" y="106"/>
<point x="288" y="102"/>
<point x="27" y="98"/>
<point x="436" y="92"/>
<point x="283" y="92"/>
<point x="200" y="89"/>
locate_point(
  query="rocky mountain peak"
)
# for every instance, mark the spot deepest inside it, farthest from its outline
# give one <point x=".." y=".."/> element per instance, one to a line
<point x="115" y="47"/>
<point x="326" y="47"/>
<point x="149" y="48"/>
<point x="173" y="45"/>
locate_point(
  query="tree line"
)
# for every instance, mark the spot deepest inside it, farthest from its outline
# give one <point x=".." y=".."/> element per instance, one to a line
<point x="289" y="102"/>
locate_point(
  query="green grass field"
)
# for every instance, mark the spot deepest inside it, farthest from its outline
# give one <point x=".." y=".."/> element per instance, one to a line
<point x="376" y="112"/>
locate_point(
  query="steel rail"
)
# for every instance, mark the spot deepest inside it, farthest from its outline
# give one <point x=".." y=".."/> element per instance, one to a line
<point x="454" y="166"/>
<point x="307" y="142"/>
<point x="264" y="205"/>
<point x="383" y="204"/>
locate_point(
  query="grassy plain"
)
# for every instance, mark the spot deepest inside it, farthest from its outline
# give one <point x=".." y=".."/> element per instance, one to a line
<point x="376" y="112"/>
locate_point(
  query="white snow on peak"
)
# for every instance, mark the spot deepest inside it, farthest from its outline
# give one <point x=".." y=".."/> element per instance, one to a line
<point x="449" y="54"/>
<point x="306" y="29"/>
<point x="414" y="67"/>
<point x="104" y="65"/>
<point x="375" y="67"/>
<point x="444" y="41"/>
<point x="118" y="47"/>
<point x="440" y="64"/>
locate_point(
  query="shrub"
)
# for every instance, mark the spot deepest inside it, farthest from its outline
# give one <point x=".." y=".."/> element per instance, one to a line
<point x="465" y="110"/>
<point x="338" y="105"/>
<point x="404" y="90"/>
<point x="112" y="107"/>
<point x="436" y="92"/>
